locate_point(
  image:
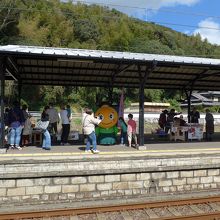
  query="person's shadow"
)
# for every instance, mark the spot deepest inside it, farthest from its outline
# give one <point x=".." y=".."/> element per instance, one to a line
<point x="82" y="148"/>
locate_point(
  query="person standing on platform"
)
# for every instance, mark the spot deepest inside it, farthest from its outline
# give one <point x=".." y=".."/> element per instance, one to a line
<point x="89" y="123"/>
<point x="16" y="122"/>
<point x="163" y="119"/>
<point x="131" y="130"/>
<point x="27" y="132"/>
<point x="123" y="130"/>
<point x="65" y="126"/>
<point x="182" y="121"/>
<point x="170" y="119"/>
<point x="194" y="116"/>
<point x="69" y="112"/>
<point x="46" y="145"/>
<point x="53" y="119"/>
<point x="209" y="125"/>
<point x="25" y="111"/>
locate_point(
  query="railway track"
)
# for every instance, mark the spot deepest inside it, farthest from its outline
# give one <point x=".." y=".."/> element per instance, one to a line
<point x="199" y="208"/>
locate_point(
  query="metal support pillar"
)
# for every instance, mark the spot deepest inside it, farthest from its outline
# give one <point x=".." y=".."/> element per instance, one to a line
<point x="188" y="96"/>
<point x="2" y="95"/>
<point x="141" y="114"/>
<point x="143" y="79"/>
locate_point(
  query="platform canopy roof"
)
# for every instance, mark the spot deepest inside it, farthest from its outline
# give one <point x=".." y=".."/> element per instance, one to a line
<point x="78" y="67"/>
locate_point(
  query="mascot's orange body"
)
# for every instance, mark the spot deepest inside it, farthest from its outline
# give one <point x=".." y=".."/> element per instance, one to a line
<point x="107" y="129"/>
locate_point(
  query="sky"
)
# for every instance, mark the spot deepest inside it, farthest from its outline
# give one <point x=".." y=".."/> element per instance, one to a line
<point x="187" y="16"/>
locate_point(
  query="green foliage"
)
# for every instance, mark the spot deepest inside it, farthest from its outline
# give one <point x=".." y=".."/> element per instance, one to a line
<point x="86" y="30"/>
<point x="151" y="46"/>
<point x="174" y="104"/>
<point x="214" y="109"/>
<point x="9" y="19"/>
<point x="77" y="121"/>
<point x="65" y="24"/>
<point x="54" y="94"/>
<point x="153" y="95"/>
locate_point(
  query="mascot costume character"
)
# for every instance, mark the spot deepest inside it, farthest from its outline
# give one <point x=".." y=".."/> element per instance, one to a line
<point x="107" y="130"/>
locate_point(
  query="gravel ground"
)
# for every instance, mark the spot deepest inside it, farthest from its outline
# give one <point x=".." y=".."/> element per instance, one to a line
<point x="138" y="214"/>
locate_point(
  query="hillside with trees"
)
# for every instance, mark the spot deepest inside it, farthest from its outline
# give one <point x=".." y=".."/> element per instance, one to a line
<point x="53" y="23"/>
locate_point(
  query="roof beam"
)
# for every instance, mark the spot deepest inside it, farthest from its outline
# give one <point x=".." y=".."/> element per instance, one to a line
<point x="149" y="69"/>
<point x="126" y="68"/>
<point x="12" y="69"/>
<point x="211" y="74"/>
<point x="96" y="84"/>
<point x="44" y="76"/>
<point x="193" y="81"/>
<point x="117" y="84"/>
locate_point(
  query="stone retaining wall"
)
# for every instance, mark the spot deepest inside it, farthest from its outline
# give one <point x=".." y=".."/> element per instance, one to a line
<point x="101" y="180"/>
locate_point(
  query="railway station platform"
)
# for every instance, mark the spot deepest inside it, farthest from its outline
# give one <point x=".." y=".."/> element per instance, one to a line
<point x="150" y="149"/>
<point x="66" y="176"/>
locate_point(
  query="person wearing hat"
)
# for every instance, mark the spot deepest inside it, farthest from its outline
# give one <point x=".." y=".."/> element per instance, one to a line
<point x="163" y="119"/>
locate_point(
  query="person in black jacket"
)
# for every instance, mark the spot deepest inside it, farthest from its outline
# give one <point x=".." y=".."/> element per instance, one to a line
<point x="15" y="122"/>
<point x="194" y="116"/>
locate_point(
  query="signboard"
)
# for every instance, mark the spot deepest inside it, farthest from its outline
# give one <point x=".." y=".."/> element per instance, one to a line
<point x="195" y="132"/>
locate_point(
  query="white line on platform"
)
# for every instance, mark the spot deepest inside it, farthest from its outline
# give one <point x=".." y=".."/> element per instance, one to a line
<point x="112" y="152"/>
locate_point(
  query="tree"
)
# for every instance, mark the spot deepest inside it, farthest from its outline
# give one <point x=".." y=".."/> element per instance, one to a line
<point x="86" y="30"/>
<point x="9" y="17"/>
<point x="150" y="46"/>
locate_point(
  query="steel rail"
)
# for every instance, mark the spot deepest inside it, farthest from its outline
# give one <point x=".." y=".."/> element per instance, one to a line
<point x="205" y="216"/>
<point x="102" y="209"/>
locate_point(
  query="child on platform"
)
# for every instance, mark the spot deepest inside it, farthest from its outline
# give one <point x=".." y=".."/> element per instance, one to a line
<point x="131" y="130"/>
<point x="123" y="130"/>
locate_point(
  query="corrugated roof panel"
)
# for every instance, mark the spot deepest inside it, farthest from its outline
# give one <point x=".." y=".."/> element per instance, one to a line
<point x="169" y="76"/>
<point x="56" y="70"/>
<point x="214" y="78"/>
<point x="211" y="82"/>
<point x="41" y="69"/>
<point x="166" y="81"/>
<point x="48" y="70"/>
<point x="178" y="70"/>
<point x="41" y="62"/>
<point x="107" y="54"/>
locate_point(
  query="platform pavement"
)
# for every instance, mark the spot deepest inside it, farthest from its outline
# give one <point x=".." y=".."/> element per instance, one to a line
<point x="77" y="151"/>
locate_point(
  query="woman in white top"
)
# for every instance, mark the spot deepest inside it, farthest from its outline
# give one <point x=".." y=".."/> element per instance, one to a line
<point x="89" y="123"/>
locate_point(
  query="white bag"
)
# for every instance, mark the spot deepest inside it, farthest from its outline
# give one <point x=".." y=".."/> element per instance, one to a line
<point x="42" y="125"/>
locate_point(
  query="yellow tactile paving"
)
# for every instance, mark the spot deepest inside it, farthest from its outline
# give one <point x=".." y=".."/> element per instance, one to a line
<point x="115" y="153"/>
